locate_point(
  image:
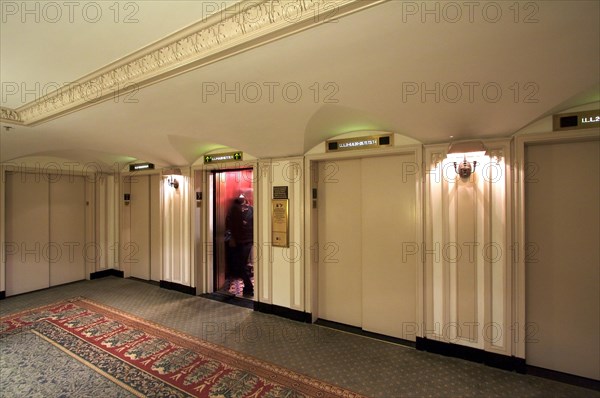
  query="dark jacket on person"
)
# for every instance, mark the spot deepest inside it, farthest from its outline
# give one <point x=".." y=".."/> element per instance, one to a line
<point x="240" y="222"/>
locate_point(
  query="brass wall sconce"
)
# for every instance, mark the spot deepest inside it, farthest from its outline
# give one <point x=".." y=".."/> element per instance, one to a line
<point x="171" y="174"/>
<point x="464" y="154"/>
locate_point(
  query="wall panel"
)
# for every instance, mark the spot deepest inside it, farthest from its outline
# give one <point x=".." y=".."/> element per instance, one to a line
<point x="155" y="235"/>
<point x="467" y="251"/>
<point x="139" y="244"/>
<point x="287" y="268"/>
<point x="463" y="254"/>
<point x="176" y="231"/>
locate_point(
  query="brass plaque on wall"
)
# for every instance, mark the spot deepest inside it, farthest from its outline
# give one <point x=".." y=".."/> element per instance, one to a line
<point x="280" y="225"/>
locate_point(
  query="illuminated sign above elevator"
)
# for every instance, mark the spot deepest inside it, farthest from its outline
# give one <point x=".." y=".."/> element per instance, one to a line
<point x="223" y="157"/>
<point x="368" y="142"/>
<point x="576" y="120"/>
<point x="141" y="166"/>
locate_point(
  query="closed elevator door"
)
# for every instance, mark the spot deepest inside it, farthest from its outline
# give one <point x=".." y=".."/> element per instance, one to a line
<point x="143" y="251"/>
<point x="45" y="230"/>
<point x="563" y="258"/>
<point x="367" y="212"/>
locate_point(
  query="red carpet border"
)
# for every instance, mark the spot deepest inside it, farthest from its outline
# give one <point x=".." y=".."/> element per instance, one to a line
<point x="151" y="360"/>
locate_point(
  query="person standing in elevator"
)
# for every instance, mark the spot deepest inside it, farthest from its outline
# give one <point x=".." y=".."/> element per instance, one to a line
<point x="240" y="223"/>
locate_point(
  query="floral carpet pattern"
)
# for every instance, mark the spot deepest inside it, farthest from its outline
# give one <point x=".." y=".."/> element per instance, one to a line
<point x="147" y="359"/>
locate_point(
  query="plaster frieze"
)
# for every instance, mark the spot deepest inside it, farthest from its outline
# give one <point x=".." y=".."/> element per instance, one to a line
<point x="242" y="26"/>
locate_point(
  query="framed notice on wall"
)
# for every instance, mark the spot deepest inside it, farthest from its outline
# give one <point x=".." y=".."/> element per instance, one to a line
<point x="280" y="223"/>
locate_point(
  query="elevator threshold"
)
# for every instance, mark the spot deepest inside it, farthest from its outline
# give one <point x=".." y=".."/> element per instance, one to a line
<point x="229" y="298"/>
<point x="360" y="332"/>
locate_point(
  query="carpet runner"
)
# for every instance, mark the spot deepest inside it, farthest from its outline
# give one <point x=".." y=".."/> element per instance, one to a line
<point x="150" y="360"/>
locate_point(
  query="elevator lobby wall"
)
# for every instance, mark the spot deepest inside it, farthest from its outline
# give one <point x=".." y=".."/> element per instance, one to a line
<point x="282" y="269"/>
<point x="156" y="229"/>
<point x="466" y="251"/>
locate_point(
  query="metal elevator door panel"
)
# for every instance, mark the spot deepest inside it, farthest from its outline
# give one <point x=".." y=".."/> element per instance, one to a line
<point x="340" y="242"/>
<point x="389" y="220"/>
<point x="366" y="212"/>
<point x="67" y="229"/>
<point x="562" y="273"/>
<point x="27" y="232"/>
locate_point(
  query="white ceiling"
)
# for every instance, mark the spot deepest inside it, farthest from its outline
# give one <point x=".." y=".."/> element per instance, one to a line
<point x="359" y="69"/>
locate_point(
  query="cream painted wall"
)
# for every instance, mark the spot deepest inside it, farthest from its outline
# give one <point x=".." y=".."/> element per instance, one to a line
<point x="107" y="202"/>
<point x="138" y="247"/>
<point x="281" y="270"/>
<point x="177" y="239"/>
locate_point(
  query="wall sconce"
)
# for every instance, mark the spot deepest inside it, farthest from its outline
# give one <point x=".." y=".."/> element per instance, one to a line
<point x="171" y="174"/>
<point x="464" y="154"/>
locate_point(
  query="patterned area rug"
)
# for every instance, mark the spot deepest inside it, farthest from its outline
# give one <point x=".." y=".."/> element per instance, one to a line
<point x="147" y="359"/>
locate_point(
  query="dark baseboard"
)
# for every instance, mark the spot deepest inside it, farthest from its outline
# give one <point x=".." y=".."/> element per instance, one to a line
<point x="359" y="331"/>
<point x="106" y="272"/>
<point x="153" y="283"/>
<point x="503" y="362"/>
<point x="178" y="287"/>
<point x="564" y="377"/>
<point x="2" y="295"/>
<point x="283" y="312"/>
<point x="229" y="299"/>
<point x="471" y="354"/>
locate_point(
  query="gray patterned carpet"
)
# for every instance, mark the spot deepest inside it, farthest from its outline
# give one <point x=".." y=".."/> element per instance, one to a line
<point x="370" y="367"/>
<point x="25" y="372"/>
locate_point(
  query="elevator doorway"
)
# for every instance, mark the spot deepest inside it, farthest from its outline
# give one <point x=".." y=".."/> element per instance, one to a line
<point x="562" y="273"/>
<point x="45" y="231"/>
<point x="233" y="232"/>
<point x="367" y="211"/>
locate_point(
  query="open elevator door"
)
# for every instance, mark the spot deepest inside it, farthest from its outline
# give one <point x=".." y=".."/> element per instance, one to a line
<point x="228" y="188"/>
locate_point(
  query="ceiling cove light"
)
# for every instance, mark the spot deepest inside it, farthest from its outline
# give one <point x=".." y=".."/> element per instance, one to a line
<point x="171" y="174"/>
<point x="464" y="155"/>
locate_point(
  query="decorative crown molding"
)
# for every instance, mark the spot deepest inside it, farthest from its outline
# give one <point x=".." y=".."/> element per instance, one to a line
<point x="240" y="27"/>
<point x="10" y="116"/>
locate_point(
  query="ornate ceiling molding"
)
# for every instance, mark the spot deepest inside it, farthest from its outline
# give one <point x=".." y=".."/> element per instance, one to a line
<point x="10" y="116"/>
<point x="243" y="26"/>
